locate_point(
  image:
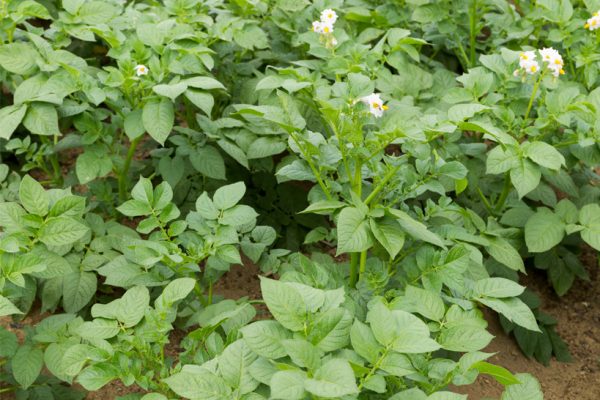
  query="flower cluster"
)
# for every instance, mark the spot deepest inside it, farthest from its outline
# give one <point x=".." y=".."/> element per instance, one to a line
<point x="376" y="106"/>
<point x="554" y="60"/>
<point x="593" y="23"/>
<point x="528" y="64"/>
<point x="325" y="26"/>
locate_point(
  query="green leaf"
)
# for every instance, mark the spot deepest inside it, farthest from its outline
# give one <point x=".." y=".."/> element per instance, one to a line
<point x="42" y="119"/>
<point x="460" y="112"/>
<point x="501" y="374"/>
<point x="33" y="196"/>
<point x="334" y="379"/>
<point x="264" y="338"/>
<point x="27" y="365"/>
<point x="400" y="330"/>
<point x="172" y="91"/>
<point x="266" y="147"/>
<point x="234" y="365"/>
<point x="208" y="161"/>
<point x="416" y="229"/>
<point x="134" y="125"/>
<point x="129" y="309"/>
<point x="528" y="389"/>
<point x="525" y="177"/>
<point x="158" y="117"/>
<point x="504" y="253"/>
<point x="7" y="308"/>
<point x="18" y="58"/>
<point x="11" y="117"/>
<point x="303" y="353"/>
<point x="198" y="383"/>
<point x="94" y="377"/>
<point x="285" y="303"/>
<point x="135" y="208"/>
<point x="229" y="195"/>
<point x="288" y="385"/>
<point x="202" y="100"/>
<point x="543" y="154"/>
<point x="514" y="310"/>
<point x="175" y="291"/>
<point x="589" y="217"/>
<point x="323" y="207"/>
<point x="60" y="231"/>
<point x="69" y="206"/>
<point x="78" y="289"/>
<point x="389" y="234"/>
<point x="500" y="160"/>
<point x="330" y="331"/>
<point x="543" y="231"/>
<point x="204" y="82"/>
<point x="353" y="231"/>
<point x="426" y="303"/>
<point x="8" y="342"/>
<point x="464" y="338"/>
<point x="364" y="342"/>
<point x="206" y="207"/>
<point x="238" y="215"/>
<point x="497" y="287"/>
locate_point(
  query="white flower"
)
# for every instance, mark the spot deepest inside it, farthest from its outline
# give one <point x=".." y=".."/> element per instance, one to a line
<point x="334" y="42"/>
<point x="141" y="70"/>
<point x="317" y="26"/>
<point x="527" y="63"/>
<point x="554" y="60"/>
<point x="526" y="58"/>
<point x="593" y="23"/>
<point x="327" y="27"/>
<point x="376" y="106"/>
<point x="328" y="16"/>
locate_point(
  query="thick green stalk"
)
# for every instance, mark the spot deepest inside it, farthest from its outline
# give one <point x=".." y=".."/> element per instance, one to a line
<point x="381" y="184"/>
<point x="505" y="192"/>
<point x="363" y="262"/>
<point x="125" y="171"/>
<point x="473" y="31"/>
<point x="353" y="269"/>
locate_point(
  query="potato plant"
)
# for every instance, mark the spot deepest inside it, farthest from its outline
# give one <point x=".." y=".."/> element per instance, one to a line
<point x="391" y="168"/>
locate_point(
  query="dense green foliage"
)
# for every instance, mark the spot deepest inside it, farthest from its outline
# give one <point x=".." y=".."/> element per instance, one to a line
<point x="438" y="148"/>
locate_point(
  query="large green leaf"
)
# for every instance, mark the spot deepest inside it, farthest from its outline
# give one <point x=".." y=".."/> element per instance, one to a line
<point x="264" y="338"/>
<point x="525" y="177"/>
<point x="42" y="119"/>
<point x="158" y="118"/>
<point x="7" y="308"/>
<point x="416" y="229"/>
<point x="285" y="303"/>
<point x="60" y="231"/>
<point x="389" y="234"/>
<point x="589" y="217"/>
<point x="543" y="231"/>
<point x="353" y="231"/>
<point x="33" y="196"/>
<point x="27" y="365"/>
<point x="11" y="117"/>
<point x="334" y="379"/>
<point x="198" y="383"/>
<point x="234" y="364"/>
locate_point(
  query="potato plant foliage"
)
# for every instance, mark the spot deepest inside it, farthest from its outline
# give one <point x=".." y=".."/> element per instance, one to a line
<point x="391" y="167"/>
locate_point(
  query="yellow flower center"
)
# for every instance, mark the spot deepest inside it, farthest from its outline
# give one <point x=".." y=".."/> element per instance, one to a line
<point x="330" y="16"/>
<point x="533" y="68"/>
<point x="558" y="62"/>
<point x="385" y="107"/>
<point x="562" y="71"/>
<point x="586" y="26"/>
<point x="376" y="105"/>
<point x="326" y="29"/>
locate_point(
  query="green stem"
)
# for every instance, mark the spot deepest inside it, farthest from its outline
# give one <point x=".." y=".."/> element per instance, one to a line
<point x="381" y="184"/>
<point x="125" y="171"/>
<point x="353" y="269"/>
<point x="314" y="170"/>
<point x="473" y="33"/>
<point x="505" y="192"/>
<point x="363" y="263"/>
<point x="210" y="292"/>
<point x="375" y="367"/>
<point x="536" y="86"/>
